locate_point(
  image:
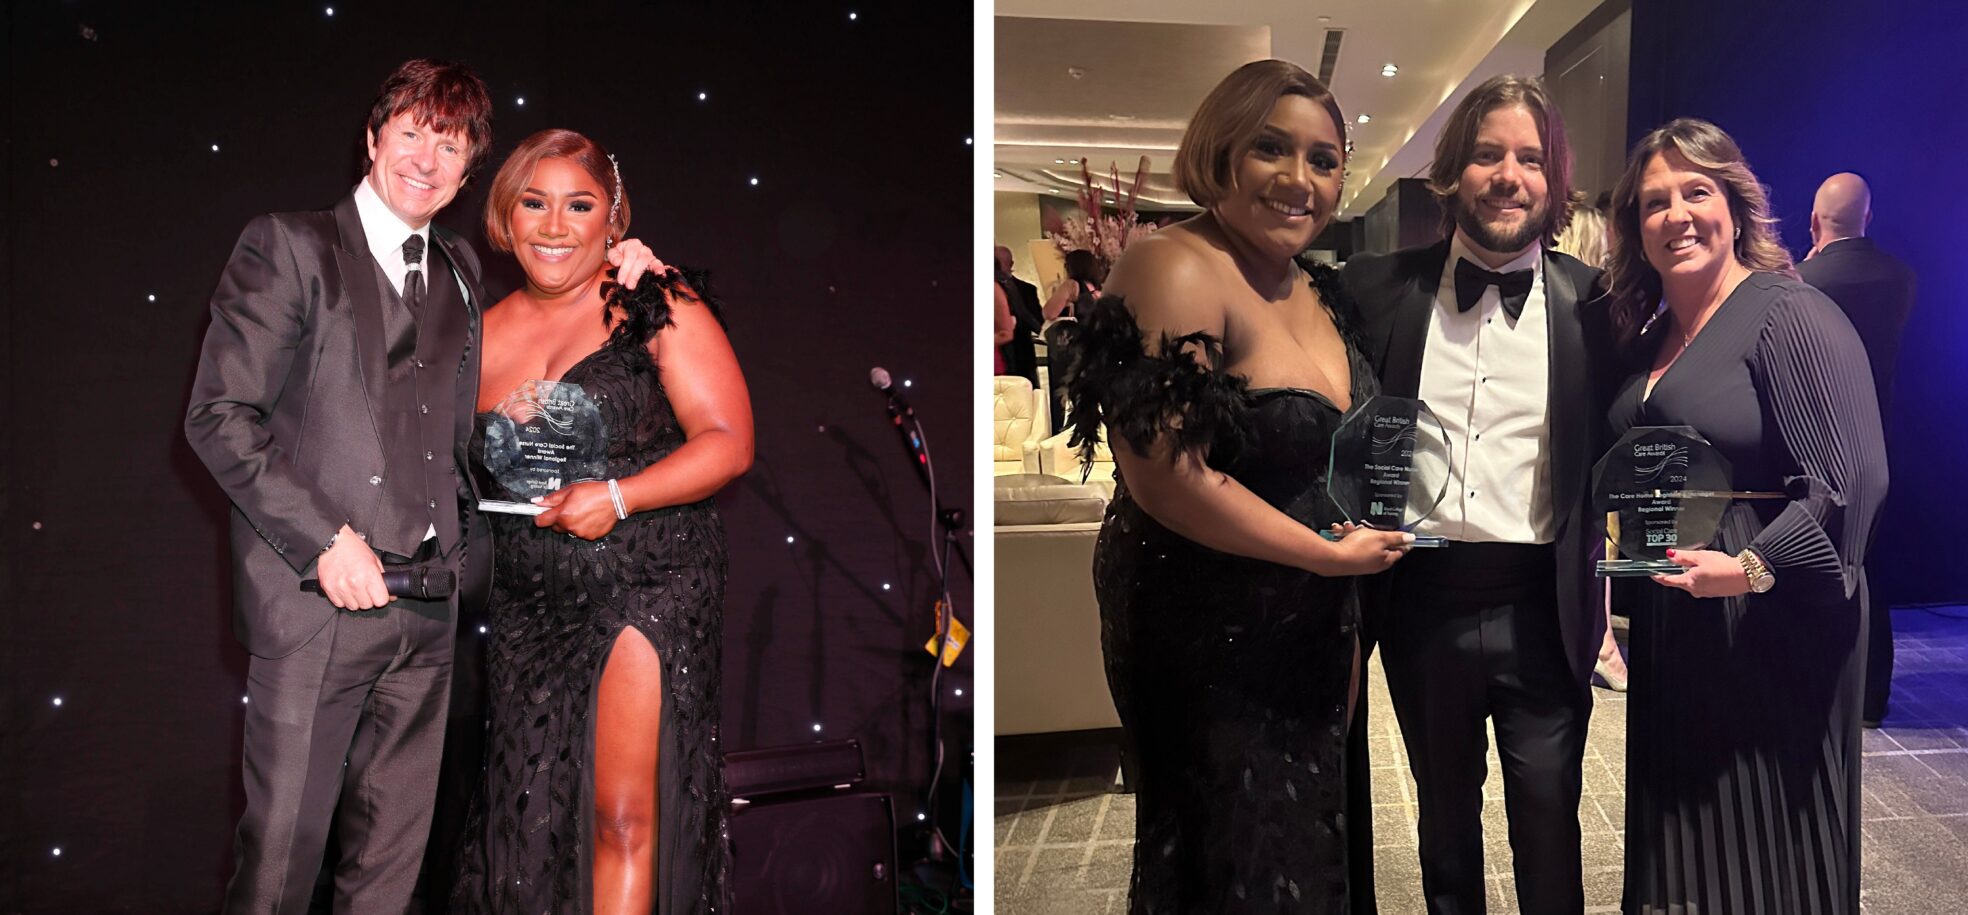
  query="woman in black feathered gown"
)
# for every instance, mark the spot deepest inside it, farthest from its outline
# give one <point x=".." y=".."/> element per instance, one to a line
<point x="1222" y="367"/>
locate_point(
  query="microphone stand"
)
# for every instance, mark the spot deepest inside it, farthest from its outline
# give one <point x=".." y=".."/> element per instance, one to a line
<point x="951" y="522"/>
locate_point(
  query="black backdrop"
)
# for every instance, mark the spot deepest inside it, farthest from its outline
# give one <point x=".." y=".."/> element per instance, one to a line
<point x="1812" y="89"/>
<point x="852" y="250"/>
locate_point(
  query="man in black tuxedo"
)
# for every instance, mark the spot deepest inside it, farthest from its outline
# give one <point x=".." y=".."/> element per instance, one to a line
<point x="1020" y="355"/>
<point x="1491" y="328"/>
<point x="1875" y="290"/>
<point x="333" y="400"/>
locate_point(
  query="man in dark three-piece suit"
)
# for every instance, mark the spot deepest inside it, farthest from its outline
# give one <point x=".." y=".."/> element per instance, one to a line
<point x="1875" y="290"/>
<point x="333" y="400"/>
<point x="1493" y="330"/>
<point x="334" y="394"/>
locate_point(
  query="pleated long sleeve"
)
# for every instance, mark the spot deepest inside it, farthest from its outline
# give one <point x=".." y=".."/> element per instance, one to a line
<point x="1817" y="396"/>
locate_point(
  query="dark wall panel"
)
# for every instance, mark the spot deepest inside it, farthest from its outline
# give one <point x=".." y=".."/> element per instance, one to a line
<point x="1812" y="89"/>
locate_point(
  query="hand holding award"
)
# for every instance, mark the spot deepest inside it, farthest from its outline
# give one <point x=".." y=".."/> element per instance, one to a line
<point x="1390" y="466"/>
<point x="542" y="437"/>
<point x="1662" y="488"/>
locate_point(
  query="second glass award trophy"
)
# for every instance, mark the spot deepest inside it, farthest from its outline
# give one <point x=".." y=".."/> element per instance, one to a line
<point x="1390" y="465"/>
<point x="1662" y="488"/>
<point x="542" y="437"/>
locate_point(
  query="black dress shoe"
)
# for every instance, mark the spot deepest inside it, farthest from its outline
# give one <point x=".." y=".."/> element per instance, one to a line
<point x="1870" y="724"/>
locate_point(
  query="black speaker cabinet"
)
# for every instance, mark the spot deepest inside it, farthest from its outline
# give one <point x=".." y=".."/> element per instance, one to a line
<point x="826" y="855"/>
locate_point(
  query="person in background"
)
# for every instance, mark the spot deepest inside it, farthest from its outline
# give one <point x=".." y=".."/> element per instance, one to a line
<point x="1586" y="238"/>
<point x="1003" y="327"/>
<point x="1080" y="287"/>
<point x="1875" y="290"/>
<point x="1020" y="354"/>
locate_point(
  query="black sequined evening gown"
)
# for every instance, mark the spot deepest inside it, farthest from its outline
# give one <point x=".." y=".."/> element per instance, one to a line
<point x="1230" y="674"/>
<point x="558" y="604"/>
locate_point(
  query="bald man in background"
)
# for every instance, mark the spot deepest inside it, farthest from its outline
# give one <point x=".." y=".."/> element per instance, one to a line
<point x="1021" y="354"/>
<point x="1875" y="290"/>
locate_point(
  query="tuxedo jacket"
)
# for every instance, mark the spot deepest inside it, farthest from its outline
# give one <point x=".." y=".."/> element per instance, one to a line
<point x="1395" y="294"/>
<point x="1875" y="290"/>
<point x="287" y="402"/>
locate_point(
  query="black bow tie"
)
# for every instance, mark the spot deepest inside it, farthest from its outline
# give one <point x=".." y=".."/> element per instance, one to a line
<point x="1471" y="280"/>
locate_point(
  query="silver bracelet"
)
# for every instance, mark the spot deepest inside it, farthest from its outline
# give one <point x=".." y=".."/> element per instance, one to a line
<point x="615" y="496"/>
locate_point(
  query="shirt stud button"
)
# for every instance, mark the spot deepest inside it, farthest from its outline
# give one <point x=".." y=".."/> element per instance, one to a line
<point x="375" y="481"/>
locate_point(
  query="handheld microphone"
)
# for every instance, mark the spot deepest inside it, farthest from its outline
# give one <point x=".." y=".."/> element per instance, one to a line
<point x="415" y="582"/>
<point x="879" y="378"/>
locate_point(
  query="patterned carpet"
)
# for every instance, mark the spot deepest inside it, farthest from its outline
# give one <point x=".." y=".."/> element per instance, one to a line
<point x="1064" y="837"/>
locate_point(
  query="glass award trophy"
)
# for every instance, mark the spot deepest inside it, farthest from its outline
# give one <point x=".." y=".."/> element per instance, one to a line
<point x="1390" y="466"/>
<point x="1662" y="488"/>
<point x="542" y="437"/>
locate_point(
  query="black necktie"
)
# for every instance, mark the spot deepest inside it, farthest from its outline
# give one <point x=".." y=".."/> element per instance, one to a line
<point x="413" y="282"/>
<point x="1472" y="279"/>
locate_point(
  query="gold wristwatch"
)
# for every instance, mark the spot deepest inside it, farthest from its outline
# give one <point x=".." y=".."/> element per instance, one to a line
<point x="1760" y="577"/>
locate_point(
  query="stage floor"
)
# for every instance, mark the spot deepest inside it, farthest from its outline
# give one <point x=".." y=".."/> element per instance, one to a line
<point x="1063" y="839"/>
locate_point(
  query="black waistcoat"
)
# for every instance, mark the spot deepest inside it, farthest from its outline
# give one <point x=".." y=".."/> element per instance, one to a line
<point x="418" y="416"/>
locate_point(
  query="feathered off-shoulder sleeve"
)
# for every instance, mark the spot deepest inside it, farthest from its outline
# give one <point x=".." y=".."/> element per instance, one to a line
<point x="1180" y="392"/>
<point x="646" y="308"/>
<point x="1817" y="396"/>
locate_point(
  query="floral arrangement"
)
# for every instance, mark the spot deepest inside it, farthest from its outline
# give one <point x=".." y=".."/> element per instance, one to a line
<point x="1105" y="234"/>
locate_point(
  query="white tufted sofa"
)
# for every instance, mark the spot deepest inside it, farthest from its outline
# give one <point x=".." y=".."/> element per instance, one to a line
<point x="1020" y="418"/>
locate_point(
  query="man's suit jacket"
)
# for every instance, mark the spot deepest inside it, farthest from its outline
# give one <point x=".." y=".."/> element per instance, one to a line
<point x="1020" y="355"/>
<point x="1025" y="306"/>
<point x="1875" y="290"/>
<point x="1396" y="294"/>
<point x="285" y="404"/>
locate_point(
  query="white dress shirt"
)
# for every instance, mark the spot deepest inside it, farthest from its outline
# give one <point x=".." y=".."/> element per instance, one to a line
<point x="386" y="235"/>
<point x="1488" y="379"/>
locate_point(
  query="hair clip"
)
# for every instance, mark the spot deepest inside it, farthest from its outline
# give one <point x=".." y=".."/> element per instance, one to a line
<point x="615" y="206"/>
